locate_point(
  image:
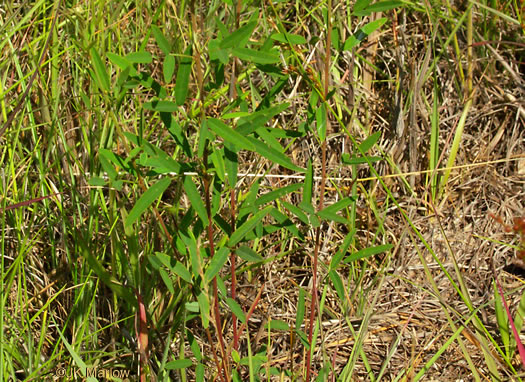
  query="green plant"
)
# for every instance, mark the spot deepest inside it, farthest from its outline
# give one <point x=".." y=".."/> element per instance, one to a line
<point x="204" y="169"/>
<point x="208" y="190"/>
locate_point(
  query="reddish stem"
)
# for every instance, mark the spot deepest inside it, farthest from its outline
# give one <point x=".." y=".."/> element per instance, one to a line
<point x="217" y="314"/>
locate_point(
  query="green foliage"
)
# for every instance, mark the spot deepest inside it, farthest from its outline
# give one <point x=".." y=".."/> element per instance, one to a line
<point x="181" y="115"/>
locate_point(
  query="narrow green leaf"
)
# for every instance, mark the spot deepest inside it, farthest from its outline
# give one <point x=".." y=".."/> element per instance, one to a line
<point x="217" y="196"/>
<point x="161" y="106"/>
<point x="332" y="216"/>
<point x="303" y="338"/>
<point x="189" y="244"/>
<point x="141" y="57"/>
<point x="195" y="199"/>
<point x="279" y="133"/>
<point x="192" y="307"/>
<point x="248" y="206"/>
<point x="166" y="279"/>
<point x="380" y="6"/>
<point x="273" y="155"/>
<point x="351" y="160"/>
<point x="434" y="139"/>
<point x="502" y="321"/>
<point x="369" y="142"/>
<point x="288" y="38"/>
<point x="168" y="68"/>
<point x="216" y="263"/>
<point x="176" y="131"/>
<point x="330" y="212"/>
<point x="277" y="325"/>
<point x="336" y="39"/>
<point x="363" y="33"/>
<point x="204" y="135"/>
<point x="74" y="355"/>
<point x="338" y="284"/>
<point x="278" y="193"/>
<point x="260" y="117"/>
<point x="308" y="183"/>
<point x="217" y="157"/>
<point x="122" y="79"/>
<point x="221" y="286"/>
<point x="360" y="5"/>
<point x="232" y="163"/>
<point x="105" y="157"/>
<point x="297" y="212"/>
<point x="257" y="56"/>
<point x="235" y="356"/>
<point x="236" y="309"/>
<point x="320" y="117"/>
<point x="178" y="364"/>
<point x="367" y="252"/>
<point x="178" y="268"/>
<point x="199" y="373"/>
<point x="374" y="25"/>
<point x="146" y="200"/>
<point x="240" y="37"/>
<point x="299" y="315"/>
<point x="520" y="313"/>
<point x="183" y="77"/>
<point x="336" y="259"/>
<point x="307" y="207"/>
<point x="230" y="135"/>
<point x="236" y="114"/>
<point x="248" y="254"/>
<point x="269" y="139"/>
<point x="162" y="164"/>
<point x="247" y="226"/>
<point x="162" y="41"/>
<point x="337" y="206"/>
<point x="101" y="73"/>
<point x="121" y="62"/>
<point x="204" y="309"/>
<point x="284" y="221"/>
<point x="216" y="53"/>
<point x="194" y="345"/>
<point x="119" y="289"/>
<point x="96" y="181"/>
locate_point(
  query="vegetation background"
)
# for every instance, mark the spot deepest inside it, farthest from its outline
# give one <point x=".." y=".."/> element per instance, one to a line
<point x="261" y="190"/>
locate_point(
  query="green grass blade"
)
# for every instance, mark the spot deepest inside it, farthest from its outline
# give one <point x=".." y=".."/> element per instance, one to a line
<point x="101" y="73"/>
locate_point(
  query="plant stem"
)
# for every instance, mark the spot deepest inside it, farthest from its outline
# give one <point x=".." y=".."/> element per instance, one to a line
<point x="313" y="306"/>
